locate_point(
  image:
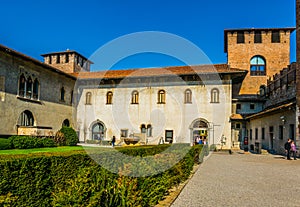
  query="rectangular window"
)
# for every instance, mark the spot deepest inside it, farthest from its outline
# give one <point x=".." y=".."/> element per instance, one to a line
<point x="252" y="106"/>
<point x="169" y="136"/>
<point x="257" y="37"/>
<point x="238" y="106"/>
<point x="238" y="126"/>
<point x="250" y="134"/>
<point x="262" y="133"/>
<point x="240" y="37"/>
<point x="275" y="36"/>
<point x="280" y="133"/>
<point x="124" y="132"/>
<point x="256" y="133"/>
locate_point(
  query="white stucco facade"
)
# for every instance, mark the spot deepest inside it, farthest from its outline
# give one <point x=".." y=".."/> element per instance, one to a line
<point x="174" y="115"/>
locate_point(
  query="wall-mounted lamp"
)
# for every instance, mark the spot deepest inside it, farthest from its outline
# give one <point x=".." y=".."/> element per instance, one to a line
<point x="283" y="119"/>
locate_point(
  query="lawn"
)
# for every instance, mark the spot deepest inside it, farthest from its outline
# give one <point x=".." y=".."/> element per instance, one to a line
<point x="41" y="150"/>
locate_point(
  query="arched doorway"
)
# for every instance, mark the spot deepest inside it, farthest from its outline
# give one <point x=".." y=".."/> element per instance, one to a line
<point x="199" y="131"/>
<point x="98" y="131"/>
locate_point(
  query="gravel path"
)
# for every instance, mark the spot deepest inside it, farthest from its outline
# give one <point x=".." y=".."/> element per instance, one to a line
<point x="243" y="180"/>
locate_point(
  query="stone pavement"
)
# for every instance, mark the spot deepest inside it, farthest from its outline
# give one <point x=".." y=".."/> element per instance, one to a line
<point x="243" y="180"/>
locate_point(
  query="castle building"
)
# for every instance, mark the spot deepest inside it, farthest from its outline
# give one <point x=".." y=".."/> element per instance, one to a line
<point x="254" y="97"/>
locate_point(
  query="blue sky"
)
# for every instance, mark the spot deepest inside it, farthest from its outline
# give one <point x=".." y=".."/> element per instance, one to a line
<point x="37" y="27"/>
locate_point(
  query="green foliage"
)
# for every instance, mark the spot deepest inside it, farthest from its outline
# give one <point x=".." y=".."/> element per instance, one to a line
<point x="70" y="136"/>
<point x="77" y="180"/>
<point x="60" y="139"/>
<point x="4" y="144"/>
<point x="27" y="142"/>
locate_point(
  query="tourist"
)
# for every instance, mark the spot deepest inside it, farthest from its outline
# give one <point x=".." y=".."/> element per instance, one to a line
<point x="113" y="141"/>
<point x="287" y="147"/>
<point x="293" y="149"/>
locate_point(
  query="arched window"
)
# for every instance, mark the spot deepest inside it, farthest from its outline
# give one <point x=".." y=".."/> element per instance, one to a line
<point x="257" y="66"/>
<point x="149" y="130"/>
<point x="161" y="99"/>
<point x="26" y="119"/>
<point x="109" y="97"/>
<point x="88" y="98"/>
<point x="188" y="96"/>
<point x="29" y="84"/>
<point x="143" y="128"/>
<point x="22" y="84"/>
<point x="66" y="123"/>
<point x="98" y="131"/>
<point x="215" y="95"/>
<point x="62" y="94"/>
<point x="135" y="97"/>
<point x="36" y="89"/>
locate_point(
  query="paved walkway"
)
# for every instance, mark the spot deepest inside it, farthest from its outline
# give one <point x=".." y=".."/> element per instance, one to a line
<point x="243" y="180"/>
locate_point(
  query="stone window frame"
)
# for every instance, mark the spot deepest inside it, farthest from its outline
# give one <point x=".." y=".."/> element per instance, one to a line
<point x="135" y="97"/>
<point x="188" y="96"/>
<point x="161" y="97"/>
<point x="28" y="87"/>
<point x="109" y="97"/>
<point x="88" y="98"/>
<point x="214" y="95"/>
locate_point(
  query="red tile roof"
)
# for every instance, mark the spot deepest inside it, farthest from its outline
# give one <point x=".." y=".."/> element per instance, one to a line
<point x="165" y="71"/>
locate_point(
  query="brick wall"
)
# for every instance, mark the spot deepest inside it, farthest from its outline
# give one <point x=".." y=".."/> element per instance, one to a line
<point x="277" y="56"/>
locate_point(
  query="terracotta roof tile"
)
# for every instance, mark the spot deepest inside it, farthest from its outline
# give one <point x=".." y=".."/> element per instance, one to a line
<point x="165" y="71"/>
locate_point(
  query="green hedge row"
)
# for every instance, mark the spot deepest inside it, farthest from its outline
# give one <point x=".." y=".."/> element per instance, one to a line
<point x="77" y="180"/>
<point x="4" y="144"/>
<point x="25" y="142"/>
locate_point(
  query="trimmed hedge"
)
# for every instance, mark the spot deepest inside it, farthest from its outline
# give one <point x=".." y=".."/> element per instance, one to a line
<point x="28" y="142"/>
<point x="77" y="180"/>
<point x="4" y="144"/>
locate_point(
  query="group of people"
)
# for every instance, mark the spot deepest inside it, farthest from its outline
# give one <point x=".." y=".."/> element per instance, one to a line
<point x="200" y="140"/>
<point x="290" y="147"/>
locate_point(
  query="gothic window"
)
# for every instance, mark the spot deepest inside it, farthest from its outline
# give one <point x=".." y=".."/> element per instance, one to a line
<point x="26" y="119"/>
<point x="22" y="83"/>
<point x="135" y="97"/>
<point x="188" y="96"/>
<point x="62" y="94"/>
<point x="109" y="97"/>
<point x="36" y="89"/>
<point x="29" y="88"/>
<point x="161" y="99"/>
<point x="215" y="95"/>
<point x="257" y="66"/>
<point x="88" y="97"/>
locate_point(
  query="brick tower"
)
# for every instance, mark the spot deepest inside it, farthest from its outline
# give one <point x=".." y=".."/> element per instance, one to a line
<point x="263" y="52"/>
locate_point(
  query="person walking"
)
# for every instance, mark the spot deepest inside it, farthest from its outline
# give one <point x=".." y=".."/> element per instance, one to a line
<point x="293" y="149"/>
<point x="113" y="141"/>
<point x="287" y="147"/>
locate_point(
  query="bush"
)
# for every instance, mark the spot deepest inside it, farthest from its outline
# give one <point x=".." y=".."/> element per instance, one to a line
<point x="27" y="142"/>
<point x="4" y="144"/>
<point x="59" y="139"/>
<point x="70" y="136"/>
